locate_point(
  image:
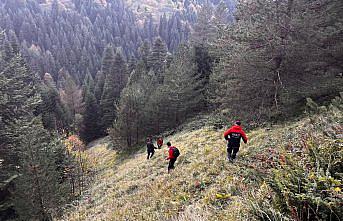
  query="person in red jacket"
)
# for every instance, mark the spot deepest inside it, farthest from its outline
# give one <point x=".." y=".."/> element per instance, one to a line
<point x="234" y="136"/>
<point x="173" y="155"/>
<point x="159" y="142"/>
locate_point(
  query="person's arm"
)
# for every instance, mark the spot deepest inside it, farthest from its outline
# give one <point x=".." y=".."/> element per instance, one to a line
<point x="227" y="133"/>
<point x="244" y="136"/>
<point x="170" y="154"/>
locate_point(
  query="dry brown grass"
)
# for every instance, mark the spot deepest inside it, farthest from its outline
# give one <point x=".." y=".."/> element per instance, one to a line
<point x="204" y="186"/>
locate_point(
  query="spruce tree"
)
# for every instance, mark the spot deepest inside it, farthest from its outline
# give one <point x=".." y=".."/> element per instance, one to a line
<point x="157" y="58"/>
<point x="39" y="189"/>
<point x="99" y="85"/>
<point x="181" y="95"/>
<point x="71" y="96"/>
<point x="114" y="83"/>
<point x="88" y="82"/>
<point x="90" y="129"/>
<point x="27" y="153"/>
<point x="144" y="52"/>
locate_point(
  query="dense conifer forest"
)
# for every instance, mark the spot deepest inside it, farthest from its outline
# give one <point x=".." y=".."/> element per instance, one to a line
<point x="74" y="71"/>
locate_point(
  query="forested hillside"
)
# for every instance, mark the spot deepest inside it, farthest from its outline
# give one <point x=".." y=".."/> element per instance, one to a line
<point x="73" y="36"/>
<point x="74" y="71"/>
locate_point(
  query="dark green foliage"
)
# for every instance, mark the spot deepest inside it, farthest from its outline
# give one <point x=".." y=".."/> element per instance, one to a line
<point x="149" y="106"/>
<point x="144" y="52"/>
<point x="157" y="58"/>
<point x="73" y="34"/>
<point x="204" y="62"/>
<point x="115" y="70"/>
<point x="30" y="178"/>
<point x="39" y="188"/>
<point x="53" y="112"/>
<point x="309" y="185"/>
<point x="99" y="85"/>
<point x="88" y="82"/>
<point x="180" y="96"/>
<point x="275" y="55"/>
<point x="71" y="96"/>
<point x="90" y="129"/>
<point x="18" y="98"/>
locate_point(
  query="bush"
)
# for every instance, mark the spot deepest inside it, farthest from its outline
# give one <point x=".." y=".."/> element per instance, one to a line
<point x="309" y="185"/>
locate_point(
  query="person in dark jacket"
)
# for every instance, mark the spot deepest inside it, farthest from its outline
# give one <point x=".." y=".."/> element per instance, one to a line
<point x="150" y="148"/>
<point x="171" y="156"/>
<point x="234" y="136"/>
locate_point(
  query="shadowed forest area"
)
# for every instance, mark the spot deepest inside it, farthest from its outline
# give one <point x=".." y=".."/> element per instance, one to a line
<point x="83" y="83"/>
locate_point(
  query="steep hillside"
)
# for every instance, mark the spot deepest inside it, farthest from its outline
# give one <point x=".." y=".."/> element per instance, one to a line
<point x="204" y="186"/>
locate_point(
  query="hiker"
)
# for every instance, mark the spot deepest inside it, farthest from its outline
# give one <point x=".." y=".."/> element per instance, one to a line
<point x="159" y="142"/>
<point x="173" y="155"/>
<point x="233" y="136"/>
<point x="150" y="148"/>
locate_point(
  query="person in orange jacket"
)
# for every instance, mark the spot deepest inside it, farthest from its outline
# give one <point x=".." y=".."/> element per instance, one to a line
<point x="234" y="136"/>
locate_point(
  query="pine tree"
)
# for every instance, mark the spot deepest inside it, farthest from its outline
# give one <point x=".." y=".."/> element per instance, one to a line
<point x="275" y="56"/>
<point x="204" y="29"/>
<point x="127" y="123"/>
<point x="27" y="155"/>
<point x="99" y="85"/>
<point x="157" y="58"/>
<point x="53" y="112"/>
<point x="71" y="96"/>
<point x="39" y="189"/>
<point x="88" y="82"/>
<point x="90" y="129"/>
<point x="144" y="52"/>
<point x="182" y="92"/>
<point x="114" y="83"/>
<point x="19" y="97"/>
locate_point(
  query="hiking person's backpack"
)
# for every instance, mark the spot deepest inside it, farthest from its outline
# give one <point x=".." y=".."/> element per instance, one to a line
<point x="176" y="152"/>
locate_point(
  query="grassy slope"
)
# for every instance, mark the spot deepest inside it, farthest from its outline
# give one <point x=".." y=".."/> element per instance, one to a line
<point x="204" y="185"/>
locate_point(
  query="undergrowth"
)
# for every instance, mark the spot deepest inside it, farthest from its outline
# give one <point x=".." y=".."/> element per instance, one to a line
<point x="291" y="171"/>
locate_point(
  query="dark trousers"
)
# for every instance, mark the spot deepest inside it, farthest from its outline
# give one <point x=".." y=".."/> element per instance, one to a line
<point x="150" y="152"/>
<point x="171" y="164"/>
<point x="232" y="152"/>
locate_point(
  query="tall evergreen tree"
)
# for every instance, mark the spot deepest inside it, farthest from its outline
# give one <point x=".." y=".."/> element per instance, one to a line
<point x="181" y="96"/>
<point x="88" y="82"/>
<point x="144" y="52"/>
<point x="114" y="83"/>
<point x="272" y="62"/>
<point x="27" y="155"/>
<point x="71" y="96"/>
<point x="90" y="128"/>
<point x="53" y="112"/>
<point x="157" y="58"/>
<point x="99" y="85"/>
<point x="39" y="189"/>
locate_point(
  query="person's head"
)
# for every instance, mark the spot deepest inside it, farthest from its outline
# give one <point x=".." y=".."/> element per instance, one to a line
<point x="238" y="122"/>
<point x="168" y="144"/>
<point x="148" y="139"/>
